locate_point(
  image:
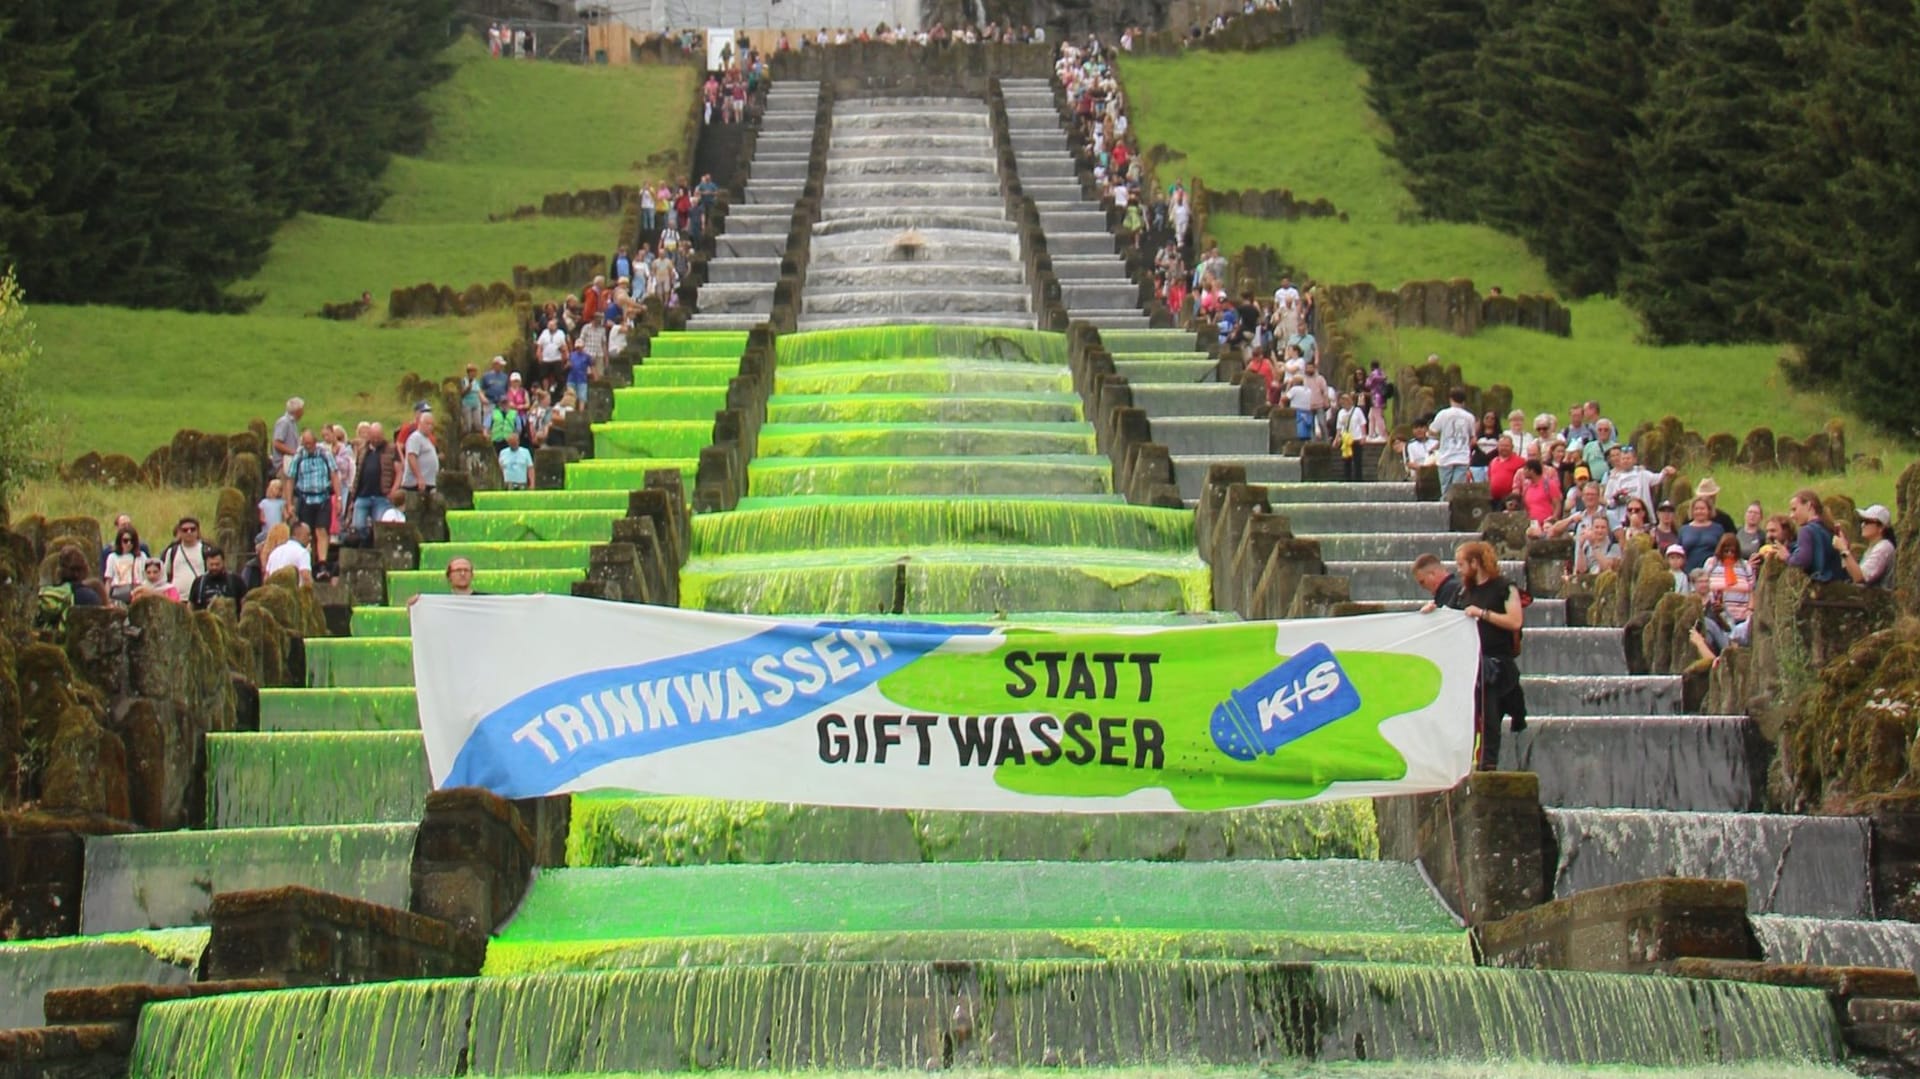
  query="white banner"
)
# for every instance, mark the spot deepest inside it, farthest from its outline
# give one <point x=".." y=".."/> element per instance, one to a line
<point x="536" y="695"/>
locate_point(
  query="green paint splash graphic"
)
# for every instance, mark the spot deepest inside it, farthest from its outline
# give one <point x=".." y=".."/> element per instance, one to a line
<point x="1196" y="672"/>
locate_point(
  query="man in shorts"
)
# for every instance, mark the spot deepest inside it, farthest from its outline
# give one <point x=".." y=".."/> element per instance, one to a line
<point x="316" y="485"/>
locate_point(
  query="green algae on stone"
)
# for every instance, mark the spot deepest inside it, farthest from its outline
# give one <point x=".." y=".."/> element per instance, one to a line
<point x="611" y="829"/>
<point x="151" y="957"/>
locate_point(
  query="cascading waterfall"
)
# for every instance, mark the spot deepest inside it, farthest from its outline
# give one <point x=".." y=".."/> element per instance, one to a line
<point x="317" y="778"/>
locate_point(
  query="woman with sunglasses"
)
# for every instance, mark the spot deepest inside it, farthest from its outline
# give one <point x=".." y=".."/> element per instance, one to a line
<point x="1638" y="522"/>
<point x="121" y="571"/>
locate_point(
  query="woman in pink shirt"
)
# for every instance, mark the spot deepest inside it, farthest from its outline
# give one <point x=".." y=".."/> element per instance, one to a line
<point x="1540" y="493"/>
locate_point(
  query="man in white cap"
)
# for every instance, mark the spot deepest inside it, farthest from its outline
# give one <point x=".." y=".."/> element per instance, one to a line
<point x="1875" y="568"/>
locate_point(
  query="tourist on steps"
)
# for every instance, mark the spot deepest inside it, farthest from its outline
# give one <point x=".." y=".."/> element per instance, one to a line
<point x="1493" y="603"/>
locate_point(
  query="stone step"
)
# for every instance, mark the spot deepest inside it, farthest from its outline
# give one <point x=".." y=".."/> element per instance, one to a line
<point x="1580" y="650"/>
<point x="843" y="322"/>
<point x="1190" y="470"/>
<point x="782" y="192"/>
<point x="853" y="142"/>
<point x="1202" y="368"/>
<point x="916" y="273"/>
<point x="1112" y="320"/>
<point x="778" y="168"/>
<point x="1040" y="166"/>
<point x="1836" y="942"/>
<point x="1610" y="695"/>
<point x="1811" y="866"/>
<point x="166" y="879"/>
<point x="777" y="222"/>
<point x="1165" y="400"/>
<point x="1292" y="493"/>
<point x="731" y="270"/>
<point x="1098" y="269"/>
<point x="1157" y="341"/>
<point x="1213" y="435"/>
<point x="923" y="192"/>
<point x="1394" y="516"/>
<point x="1087" y="220"/>
<point x="1707" y="764"/>
<point x="1402" y="547"/>
<point x="898" y="218"/>
<point x="961" y="297"/>
<point x="736" y="299"/>
<point x="704" y="321"/>
<point x="1082" y="243"/>
<point x="1100" y="295"/>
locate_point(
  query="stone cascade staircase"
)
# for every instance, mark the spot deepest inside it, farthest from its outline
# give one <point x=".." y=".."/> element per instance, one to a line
<point x="1201" y="420"/>
<point x="738" y="293"/>
<point x="1093" y="280"/>
<point x="913" y="225"/>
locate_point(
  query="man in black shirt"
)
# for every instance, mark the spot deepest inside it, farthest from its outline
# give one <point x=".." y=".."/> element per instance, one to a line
<point x="216" y="582"/>
<point x="1435" y="579"/>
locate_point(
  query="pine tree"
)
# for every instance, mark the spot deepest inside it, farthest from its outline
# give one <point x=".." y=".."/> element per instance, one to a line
<point x="1717" y="66"/>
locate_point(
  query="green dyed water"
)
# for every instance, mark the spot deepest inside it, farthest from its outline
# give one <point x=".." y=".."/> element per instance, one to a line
<point x="1073" y="1013"/>
<point x="752" y="503"/>
<point x="695" y="344"/>
<point x="521" y="526"/>
<point x="686" y="373"/>
<point x="510" y="957"/>
<point x="361" y="709"/>
<point x="1038" y="474"/>
<point x="536" y="554"/>
<point x="149" y="957"/>
<point x="623" y="475"/>
<point x="359" y="661"/>
<point x="620" y="829"/>
<point x="934" y="376"/>
<point x="166" y="879"/>
<point x="918" y="408"/>
<point x="939" y="522"/>
<point x="381" y="622"/>
<point x="943" y="579"/>
<point x="321" y="777"/>
<point x="668" y="403"/>
<point x="886" y="343"/>
<point x="569" y="499"/>
<point x="921" y="439"/>
<point x="660" y="439"/>
<point x="405" y="584"/>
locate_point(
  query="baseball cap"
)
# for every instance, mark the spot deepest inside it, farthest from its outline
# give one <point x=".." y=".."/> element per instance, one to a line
<point x="1877" y="512"/>
<point x="1674" y="548"/>
<point x="515" y="377"/>
<point x="1665" y="504"/>
<point x="422" y="406"/>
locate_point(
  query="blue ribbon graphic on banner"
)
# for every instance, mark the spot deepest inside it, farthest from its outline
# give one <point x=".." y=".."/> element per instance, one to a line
<point x="549" y="736"/>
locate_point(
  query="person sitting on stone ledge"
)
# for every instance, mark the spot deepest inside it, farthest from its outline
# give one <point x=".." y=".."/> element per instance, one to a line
<point x="216" y="583"/>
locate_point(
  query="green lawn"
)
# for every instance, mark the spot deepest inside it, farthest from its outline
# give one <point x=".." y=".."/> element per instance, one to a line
<point x="318" y="260"/>
<point x="1320" y="139"/>
<point x="121" y="381"/>
<point x="505" y="134"/>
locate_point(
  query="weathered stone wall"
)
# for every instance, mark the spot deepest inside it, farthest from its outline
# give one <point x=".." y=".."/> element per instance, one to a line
<point x="1671" y="442"/>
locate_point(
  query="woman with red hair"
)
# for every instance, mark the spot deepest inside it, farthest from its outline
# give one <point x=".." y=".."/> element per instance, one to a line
<point x="1493" y="602"/>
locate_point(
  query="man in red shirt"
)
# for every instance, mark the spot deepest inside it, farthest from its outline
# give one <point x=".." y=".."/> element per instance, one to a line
<point x="595" y="298"/>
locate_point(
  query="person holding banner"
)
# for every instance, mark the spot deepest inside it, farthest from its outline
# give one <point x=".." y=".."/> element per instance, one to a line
<point x="1493" y="602"/>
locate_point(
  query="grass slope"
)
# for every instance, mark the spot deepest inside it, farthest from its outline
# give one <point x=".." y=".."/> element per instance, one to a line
<point x="1319" y="138"/>
<point x="505" y="134"/>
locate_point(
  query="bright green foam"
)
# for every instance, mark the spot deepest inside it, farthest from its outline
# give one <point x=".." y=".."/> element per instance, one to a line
<point x="924" y="376"/>
<point x="617" y="828"/>
<point x="922" y="439"/>
<point x="389" y="708"/>
<point x="653" y="439"/>
<point x="147" y="957"/>
<point x="686" y="373"/>
<point x="626" y="475"/>
<point x="921" y="408"/>
<point x="402" y="585"/>
<point x="510" y="957"/>
<point x="569" y="499"/>
<point x="1037" y="474"/>
<point x="327" y="777"/>
<point x="359" y="661"/>
<point x="943" y="522"/>
<point x="669" y="403"/>
<point x="705" y="344"/>
<point x="1014" y="579"/>
<point x="169" y="878"/>
<point x="974" y="1016"/>
<point x="731" y="900"/>
<point x="1136" y="341"/>
<point x="381" y="622"/>
<point x="908" y="342"/>
<point x="523" y="554"/>
<point x="519" y="526"/>
<point x="775" y="502"/>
